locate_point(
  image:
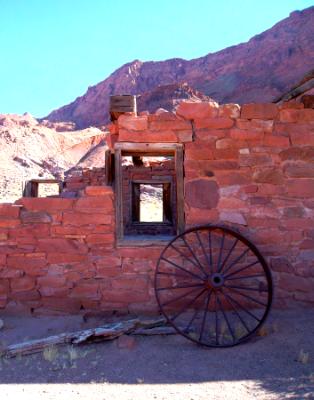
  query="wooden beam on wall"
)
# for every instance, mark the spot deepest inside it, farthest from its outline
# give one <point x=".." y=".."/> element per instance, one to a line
<point x="118" y="192"/>
<point x="180" y="188"/>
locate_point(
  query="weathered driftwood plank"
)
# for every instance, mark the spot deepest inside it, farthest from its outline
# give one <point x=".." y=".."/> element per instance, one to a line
<point x="105" y="332"/>
<point x="158" y="330"/>
<point x="122" y="104"/>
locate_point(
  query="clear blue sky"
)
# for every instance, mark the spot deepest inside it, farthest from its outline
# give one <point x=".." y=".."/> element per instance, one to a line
<point x="52" y="50"/>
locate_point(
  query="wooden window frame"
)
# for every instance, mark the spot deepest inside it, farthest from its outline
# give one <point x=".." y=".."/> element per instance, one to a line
<point x="148" y="149"/>
<point x="109" y="167"/>
<point x="31" y="188"/>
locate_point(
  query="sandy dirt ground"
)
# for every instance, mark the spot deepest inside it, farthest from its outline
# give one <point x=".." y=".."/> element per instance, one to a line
<point x="279" y="365"/>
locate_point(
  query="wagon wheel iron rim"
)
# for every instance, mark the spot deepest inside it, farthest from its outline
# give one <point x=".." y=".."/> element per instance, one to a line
<point x="213" y="286"/>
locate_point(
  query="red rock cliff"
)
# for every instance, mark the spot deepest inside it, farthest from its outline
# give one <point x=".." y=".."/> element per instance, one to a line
<point x="260" y="70"/>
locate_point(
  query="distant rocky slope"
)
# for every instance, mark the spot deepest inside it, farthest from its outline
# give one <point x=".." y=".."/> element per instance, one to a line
<point x="168" y="97"/>
<point x="260" y="70"/>
<point x="303" y="91"/>
<point x="32" y="150"/>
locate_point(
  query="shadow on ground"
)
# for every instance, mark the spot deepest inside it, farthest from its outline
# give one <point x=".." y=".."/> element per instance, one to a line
<point x="270" y="363"/>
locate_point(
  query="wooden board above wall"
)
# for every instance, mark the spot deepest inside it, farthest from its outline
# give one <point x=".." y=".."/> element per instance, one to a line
<point x="122" y="104"/>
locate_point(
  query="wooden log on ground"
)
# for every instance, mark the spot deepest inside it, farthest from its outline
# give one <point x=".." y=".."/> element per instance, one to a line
<point x="105" y="332"/>
<point x="158" y="330"/>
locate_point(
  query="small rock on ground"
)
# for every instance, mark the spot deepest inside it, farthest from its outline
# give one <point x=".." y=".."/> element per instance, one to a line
<point x="126" y="342"/>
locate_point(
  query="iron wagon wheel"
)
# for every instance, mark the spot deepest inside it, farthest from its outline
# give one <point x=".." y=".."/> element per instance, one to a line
<point x="213" y="286"/>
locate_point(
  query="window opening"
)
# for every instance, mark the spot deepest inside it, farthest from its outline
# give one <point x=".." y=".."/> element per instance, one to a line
<point x="149" y="200"/>
<point x="48" y="189"/>
<point x="151" y="203"/>
<point x="42" y="188"/>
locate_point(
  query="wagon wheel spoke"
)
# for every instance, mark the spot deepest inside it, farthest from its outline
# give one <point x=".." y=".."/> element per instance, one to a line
<point x="229" y="253"/>
<point x="245" y="288"/>
<point x="185" y="307"/>
<point x="187" y="258"/>
<point x="236" y="311"/>
<point x="226" y="318"/>
<point x="241" y="307"/>
<point x="203" y="250"/>
<point x="216" y="319"/>
<point x="222" y="242"/>
<point x="242" y="269"/>
<point x="244" y="277"/>
<point x="181" y="296"/>
<point x="205" y="315"/>
<point x="247" y="296"/>
<point x="244" y="253"/>
<point x="180" y="287"/>
<point x="216" y="292"/>
<point x="172" y="274"/>
<point x="194" y="316"/>
<point x="210" y="250"/>
<point x="181" y="268"/>
<point x="198" y="264"/>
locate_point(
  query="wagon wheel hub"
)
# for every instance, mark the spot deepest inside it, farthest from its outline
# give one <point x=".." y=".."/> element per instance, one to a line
<point x="215" y="281"/>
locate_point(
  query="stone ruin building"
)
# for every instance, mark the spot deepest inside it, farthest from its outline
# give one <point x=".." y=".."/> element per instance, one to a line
<point x="94" y="248"/>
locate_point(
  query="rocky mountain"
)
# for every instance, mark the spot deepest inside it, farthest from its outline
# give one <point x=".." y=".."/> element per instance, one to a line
<point x="168" y="97"/>
<point x="303" y="91"/>
<point x="32" y="150"/>
<point x="261" y="69"/>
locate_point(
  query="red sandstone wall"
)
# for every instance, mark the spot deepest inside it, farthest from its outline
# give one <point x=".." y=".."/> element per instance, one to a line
<point x="259" y="171"/>
<point x="254" y="169"/>
<point x="58" y="255"/>
<point x="78" y="179"/>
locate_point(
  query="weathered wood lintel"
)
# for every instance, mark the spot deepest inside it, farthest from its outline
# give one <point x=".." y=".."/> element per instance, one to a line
<point x="148" y="149"/>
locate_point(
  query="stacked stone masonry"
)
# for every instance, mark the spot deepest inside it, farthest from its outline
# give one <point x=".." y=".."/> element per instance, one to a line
<point x="250" y="167"/>
<point x="77" y="180"/>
